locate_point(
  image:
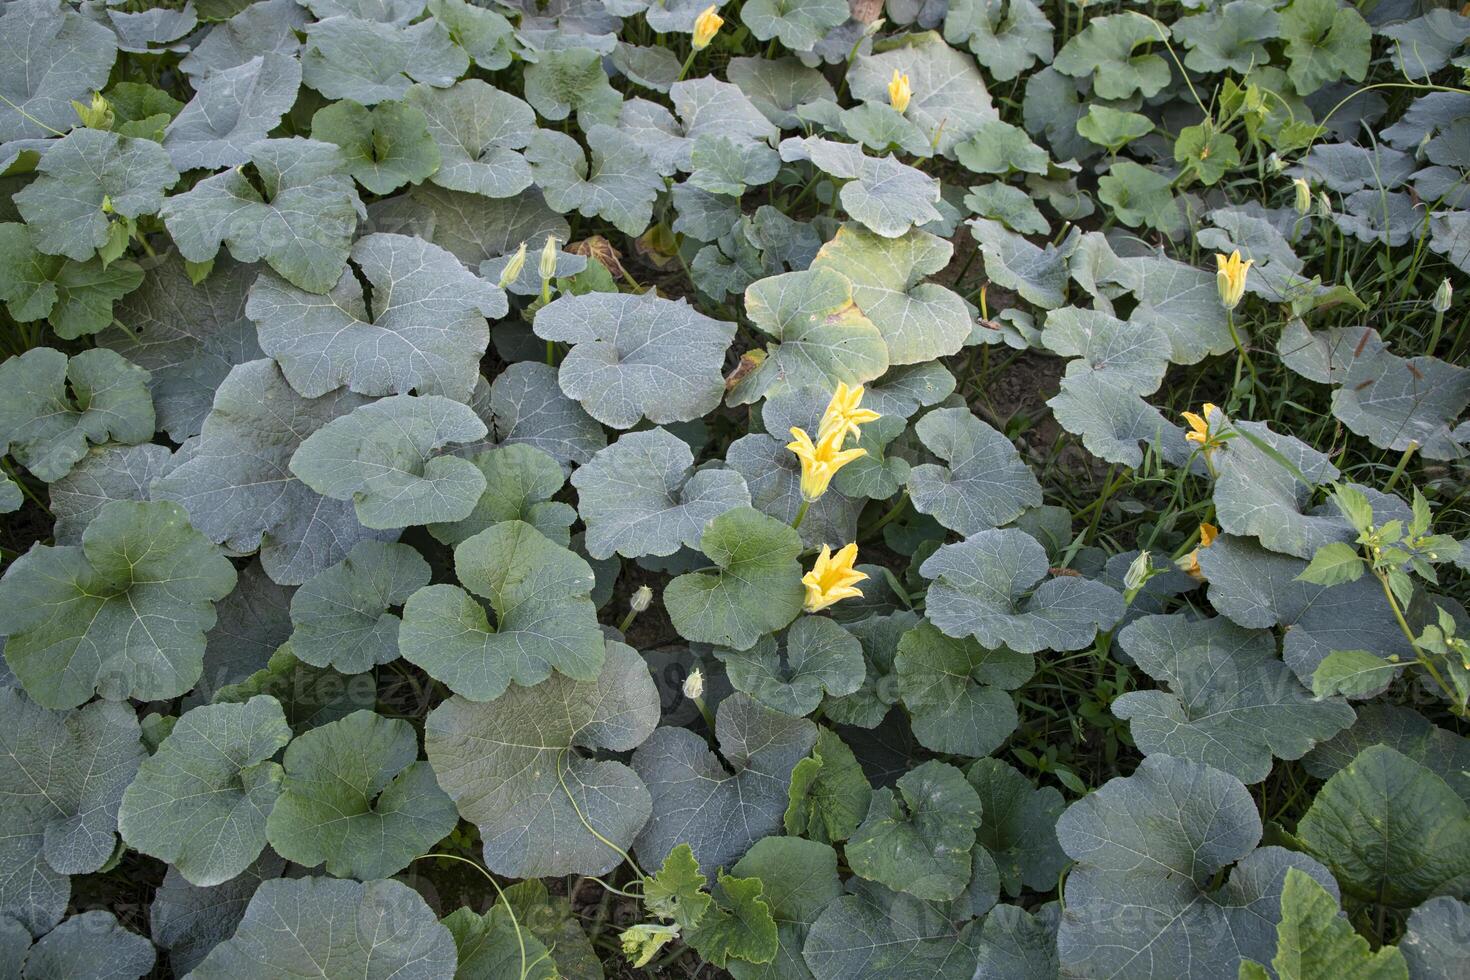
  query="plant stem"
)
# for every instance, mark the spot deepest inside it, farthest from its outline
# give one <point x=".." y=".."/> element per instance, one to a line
<point x="801" y="513"/>
<point x="1398" y="470"/>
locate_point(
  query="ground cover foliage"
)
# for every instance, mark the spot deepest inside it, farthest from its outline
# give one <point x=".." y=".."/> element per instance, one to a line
<point x="789" y="489"/>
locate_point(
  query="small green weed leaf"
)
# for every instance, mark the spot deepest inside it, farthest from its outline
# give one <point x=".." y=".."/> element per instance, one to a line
<point x="676" y="891"/>
<point x="1315" y="941"/>
<point x="738" y="927"/>
<point x="799" y="879"/>
<point x="76" y="297"/>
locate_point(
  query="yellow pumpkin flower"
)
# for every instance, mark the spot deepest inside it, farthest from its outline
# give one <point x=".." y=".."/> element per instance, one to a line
<point x="1199" y="429"/>
<point x="899" y="92"/>
<point x="1230" y="278"/>
<point x="706" y="26"/>
<point x="832" y="578"/>
<point x="821" y="460"/>
<point x="1189" y="564"/>
<point x="843" y="414"/>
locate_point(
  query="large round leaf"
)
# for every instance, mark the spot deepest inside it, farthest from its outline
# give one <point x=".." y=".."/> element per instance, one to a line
<point x="756" y="588"/>
<point x="200" y="802"/>
<point x="377" y="930"/>
<point x="62" y="777"/>
<point x="515" y="767"/>
<point x="641" y="496"/>
<point x="1231" y="702"/>
<point x="638" y="356"/>
<point x="919" y="839"/>
<point x="985" y="483"/>
<point x="544" y="616"/>
<point x="815" y="656"/>
<point x="957" y="690"/>
<point x="355" y="796"/>
<point x="424" y="331"/>
<point x="238" y="489"/>
<point x="1148" y="847"/>
<point x="979" y="589"/>
<point x="341" y="616"/>
<point x="383" y="456"/>
<point x="720" y="804"/>
<point x="123" y="615"/>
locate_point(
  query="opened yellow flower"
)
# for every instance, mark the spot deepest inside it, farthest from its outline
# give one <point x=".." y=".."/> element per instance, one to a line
<point x="843" y="414"/>
<point x="1189" y="564"/>
<point x="706" y="26"/>
<point x="899" y="92"/>
<point x="1199" y="428"/>
<point x="821" y="460"/>
<point x="832" y="578"/>
<point x="1230" y="278"/>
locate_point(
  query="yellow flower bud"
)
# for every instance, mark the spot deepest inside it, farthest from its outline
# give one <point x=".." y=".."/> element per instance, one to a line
<point x="1230" y="278"/>
<point x="706" y="26"/>
<point x="899" y="92"/>
<point x="547" y="266"/>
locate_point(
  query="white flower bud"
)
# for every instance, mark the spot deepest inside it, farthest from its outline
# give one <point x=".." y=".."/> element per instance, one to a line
<point x="1303" y="196"/>
<point x="512" y="270"/>
<point x="1324" y="205"/>
<point x="1137" y="574"/>
<point x="1442" y="297"/>
<point x="694" y="685"/>
<point x="641" y="599"/>
<point x="548" y="258"/>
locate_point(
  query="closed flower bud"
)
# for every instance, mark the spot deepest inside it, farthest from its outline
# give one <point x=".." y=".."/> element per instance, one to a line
<point x="694" y="685"/>
<point x="899" y="92"/>
<point x="1442" y="296"/>
<point x="1324" y="205"/>
<point x="512" y="270"/>
<point x="547" y="267"/>
<point x="1303" y="196"/>
<point x="706" y="26"/>
<point x="641" y="599"/>
<point x="1137" y="574"/>
<point x="1230" y="278"/>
